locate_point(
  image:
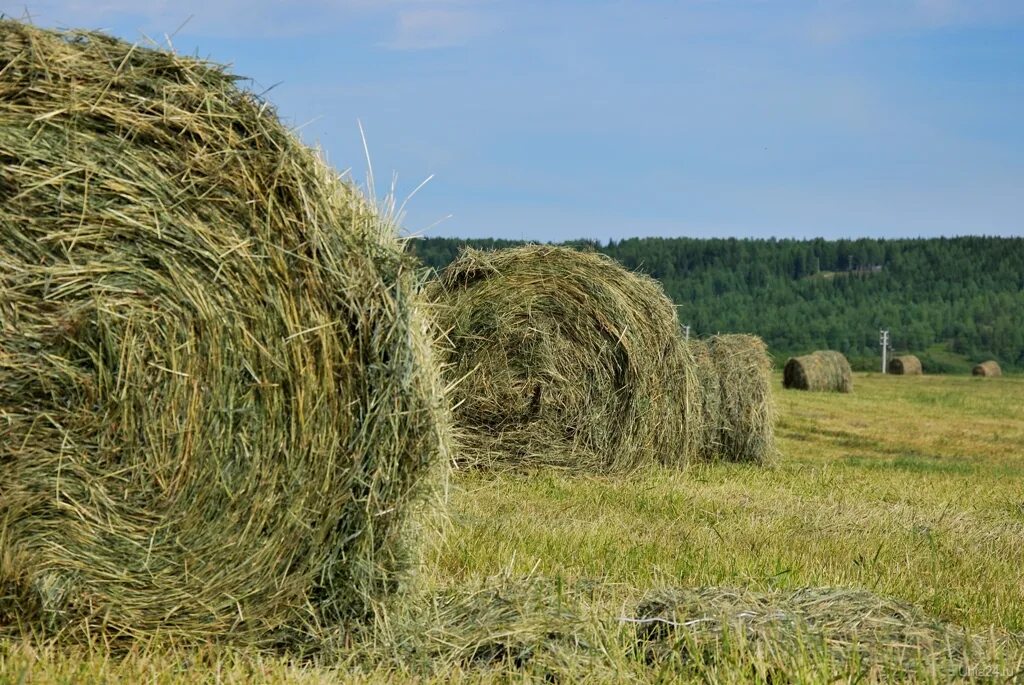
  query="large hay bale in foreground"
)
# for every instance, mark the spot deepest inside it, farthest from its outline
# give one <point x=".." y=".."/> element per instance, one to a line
<point x="738" y="406"/>
<point x="565" y="359"/>
<point x="852" y="627"/>
<point x="824" y="370"/>
<point x="990" y="368"/>
<point x="217" y="404"/>
<point x="906" y="365"/>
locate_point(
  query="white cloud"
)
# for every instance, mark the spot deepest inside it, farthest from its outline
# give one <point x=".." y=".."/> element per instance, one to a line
<point x="413" y="23"/>
<point x="430" y="28"/>
<point x="840" y="21"/>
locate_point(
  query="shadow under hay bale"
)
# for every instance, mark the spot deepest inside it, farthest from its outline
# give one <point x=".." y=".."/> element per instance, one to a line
<point x="565" y="359"/>
<point x="218" y="406"/>
<point x="738" y="421"/>
<point x="990" y="368"/>
<point x="855" y="629"/>
<point x="905" y="365"/>
<point x="824" y="370"/>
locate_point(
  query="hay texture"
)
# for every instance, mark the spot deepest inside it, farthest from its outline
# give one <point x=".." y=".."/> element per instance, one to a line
<point x="990" y="368"/>
<point x="738" y="409"/>
<point x="533" y="626"/>
<point x="825" y="371"/>
<point x="564" y="359"/>
<point x="856" y="629"/>
<point x="217" y="404"/>
<point x="906" y="365"/>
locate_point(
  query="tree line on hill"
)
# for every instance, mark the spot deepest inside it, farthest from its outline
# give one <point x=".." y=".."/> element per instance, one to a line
<point x="943" y="299"/>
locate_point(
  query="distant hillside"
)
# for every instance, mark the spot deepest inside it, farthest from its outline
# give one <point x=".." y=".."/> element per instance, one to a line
<point x="950" y="300"/>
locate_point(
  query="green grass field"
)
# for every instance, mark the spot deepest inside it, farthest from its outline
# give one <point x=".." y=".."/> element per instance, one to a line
<point x="911" y="487"/>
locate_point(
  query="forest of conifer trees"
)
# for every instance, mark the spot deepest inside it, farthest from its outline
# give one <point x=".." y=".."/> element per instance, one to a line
<point x="945" y="299"/>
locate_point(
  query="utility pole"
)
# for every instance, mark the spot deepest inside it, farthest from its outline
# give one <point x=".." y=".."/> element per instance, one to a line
<point x="686" y="331"/>
<point x="883" y="338"/>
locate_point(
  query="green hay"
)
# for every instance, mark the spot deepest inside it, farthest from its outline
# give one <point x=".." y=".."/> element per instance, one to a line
<point x="564" y="359"/>
<point x="540" y="628"/>
<point x="906" y="365"/>
<point x="218" y="407"/>
<point x="738" y="422"/>
<point x="858" y="630"/>
<point x="990" y="368"/>
<point x="823" y="371"/>
<point x="706" y="433"/>
<point x="529" y="625"/>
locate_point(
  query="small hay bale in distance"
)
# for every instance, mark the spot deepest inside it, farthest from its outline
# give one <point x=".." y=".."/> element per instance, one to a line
<point x="905" y="365"/>
<point x="823" y="370"/>
<point x="849" y="627"/>
<point x="990" y="368"/>
<point x="738" y="422"/>
<point x="562" y="358"/>
<point x="218" y="405"/>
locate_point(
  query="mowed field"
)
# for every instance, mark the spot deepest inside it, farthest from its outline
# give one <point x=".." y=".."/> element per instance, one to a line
<point x="911" y="487"/>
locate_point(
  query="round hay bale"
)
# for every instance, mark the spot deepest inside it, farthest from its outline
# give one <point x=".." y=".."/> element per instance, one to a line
<point x="990" y="368"/>
<point x="565" y="359"/>
<point x="217" y="402"/>
<point x="738" y="406"/>
<point x="824" y="370"/>
<point x="706" y="433"/>
<point x="906" y="365"/>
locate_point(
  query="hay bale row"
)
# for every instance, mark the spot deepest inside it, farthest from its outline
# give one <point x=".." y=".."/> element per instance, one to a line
<point x="824" y="370"/>
<point x="905" y="365"/>
<point x="217" y="403"/>
<point x="565" y="359"/>
<point x="989" y="368"/>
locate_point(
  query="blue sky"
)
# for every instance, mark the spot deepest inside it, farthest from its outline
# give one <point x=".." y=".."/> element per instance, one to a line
<point x="569" y="119"/>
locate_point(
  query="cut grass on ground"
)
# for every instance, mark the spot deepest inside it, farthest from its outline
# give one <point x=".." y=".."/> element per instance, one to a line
<point x="911" y="487"/>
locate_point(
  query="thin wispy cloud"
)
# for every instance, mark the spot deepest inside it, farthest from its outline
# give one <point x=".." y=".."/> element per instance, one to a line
<point x="406" y="24"/>
<point x="432" y="28"/>
<point x="838" y="21"/>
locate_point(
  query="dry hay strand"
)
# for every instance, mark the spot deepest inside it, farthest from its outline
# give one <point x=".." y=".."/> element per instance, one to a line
<point x="823" y="370"/>
<point x="217" y="403"/>
<point x="990" y="368"/>
<point x="738" y="408"/>
<point x="565" y="359"/>
<point x="906" y="365"/>
<point x="855" y="629"/>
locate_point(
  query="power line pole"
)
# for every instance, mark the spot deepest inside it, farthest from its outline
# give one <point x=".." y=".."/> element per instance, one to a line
<point x="686" y="331"/>
<point x="883" y="338"/>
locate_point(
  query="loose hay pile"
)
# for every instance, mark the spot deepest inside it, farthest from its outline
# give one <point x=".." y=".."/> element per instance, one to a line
<point x="532" y="625"/>
<point x="990" y="368"/>
<point x="549" y="630"/>
<point x="824" y="370"/>
<point x="217" y="405"/>
<point x="738" y="422"/>
<point x="564" y="359"/>
<point x="907" y="365"/>
<point x="857" y="630"/>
